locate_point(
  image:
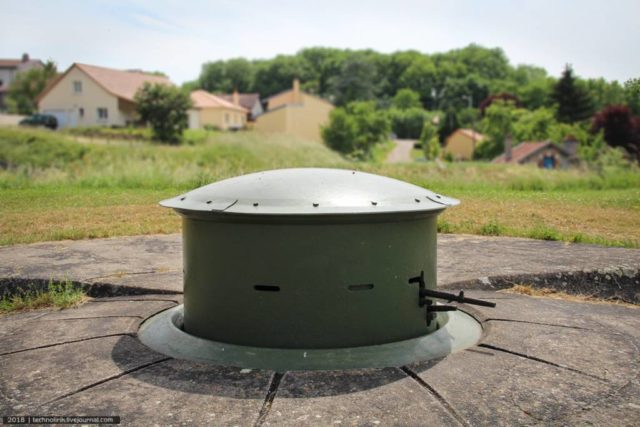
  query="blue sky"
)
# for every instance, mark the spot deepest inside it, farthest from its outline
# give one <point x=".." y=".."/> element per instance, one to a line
<point x="600" y="39"/>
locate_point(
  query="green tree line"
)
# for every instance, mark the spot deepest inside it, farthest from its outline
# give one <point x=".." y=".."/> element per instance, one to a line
<point x="449" y="81"/>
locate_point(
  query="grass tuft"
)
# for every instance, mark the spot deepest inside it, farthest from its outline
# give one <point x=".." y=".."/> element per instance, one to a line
<point x="492" y="228"/>
<point x="58" y="294"/>
<point x="544" y="232"/>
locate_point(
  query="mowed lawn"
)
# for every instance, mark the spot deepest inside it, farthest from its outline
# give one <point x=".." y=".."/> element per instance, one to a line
<point x="54" y="186"/>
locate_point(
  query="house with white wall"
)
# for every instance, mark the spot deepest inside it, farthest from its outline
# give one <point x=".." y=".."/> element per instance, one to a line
<point x="88" y="95"/>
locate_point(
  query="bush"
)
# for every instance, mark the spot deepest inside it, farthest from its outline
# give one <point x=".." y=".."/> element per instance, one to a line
<point x="408" y="123"/>
<point x="165" y="108"/>
<point x="354" y="129"/>
<point x="429" y="141"/>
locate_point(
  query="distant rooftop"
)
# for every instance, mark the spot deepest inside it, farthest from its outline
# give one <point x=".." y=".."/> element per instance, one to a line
<point x="204" y="99"/>
<point x="15" y="63"/>
<point x="246" y="100"/>
<point x="522" y="151"/>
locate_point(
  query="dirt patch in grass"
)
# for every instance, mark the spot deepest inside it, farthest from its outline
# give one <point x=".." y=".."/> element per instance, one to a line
<point x="533" y="291"/>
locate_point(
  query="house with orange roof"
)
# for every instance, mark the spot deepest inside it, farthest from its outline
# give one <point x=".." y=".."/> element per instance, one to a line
<point x="544" y="154"/>
<point x="461" y="143"/>
<point x="88" y="95"/>
<point x="296" y="113"/>
<point x="209" y="110"/>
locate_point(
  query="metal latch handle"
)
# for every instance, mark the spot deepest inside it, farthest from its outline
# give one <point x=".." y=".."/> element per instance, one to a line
<point x="424" y="292"/>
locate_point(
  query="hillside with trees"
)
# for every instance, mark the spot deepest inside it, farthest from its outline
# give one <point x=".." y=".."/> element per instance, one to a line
<point x="473" y="87"/>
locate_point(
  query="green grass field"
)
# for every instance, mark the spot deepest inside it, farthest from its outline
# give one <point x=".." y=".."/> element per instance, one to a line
<point x="73" y="186"/>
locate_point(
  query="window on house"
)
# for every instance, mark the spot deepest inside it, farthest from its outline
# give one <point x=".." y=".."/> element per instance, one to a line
<point x="226" y="118"/>
<point x="77" y="87"/>
<point x="103" y="114"/>
<point x="81" y="112"/>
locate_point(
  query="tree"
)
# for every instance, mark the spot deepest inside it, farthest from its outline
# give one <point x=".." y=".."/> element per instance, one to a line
<point x="227" y="76"/>
<point x="277" y="74"/>
<point x="320" y="65"/>
<point x="165" y="108"/>
<point x="632" y="95"/>
<point x="356" y="80"/>
<point x="407" y="124"/>
<point x="405" y="99"/>
<point x="448" y="125"/>
<point x="573" y="101"/>
<point x="497" y="124"/>
<point x="354" y="129"/>
<point x="533" y="125"/>
<point x="504" y="96"/>
<point x="27" y="85"/>
<point x="468" y="117"/>
<point x="620" y="127"/>
<point x="536" y="94"/>
<point x="420" y="76"/>
<point x="604" y="93"/>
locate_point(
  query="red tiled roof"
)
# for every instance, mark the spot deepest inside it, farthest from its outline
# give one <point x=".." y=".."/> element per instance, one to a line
<point x="120" y="83"/>
<point x="123" y="84"/>
<point x="204" y="99"/>
<point x="520" y="152"/>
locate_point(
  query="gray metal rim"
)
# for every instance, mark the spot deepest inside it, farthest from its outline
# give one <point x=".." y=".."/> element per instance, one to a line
<point x="309" y="192"/>
<point x="162" y="333"/>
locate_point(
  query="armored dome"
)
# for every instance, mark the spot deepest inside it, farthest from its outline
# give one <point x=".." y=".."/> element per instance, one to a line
<point x="310" y="191"/>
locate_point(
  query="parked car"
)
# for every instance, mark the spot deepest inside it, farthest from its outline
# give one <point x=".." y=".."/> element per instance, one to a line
<point x="37" y="120"/>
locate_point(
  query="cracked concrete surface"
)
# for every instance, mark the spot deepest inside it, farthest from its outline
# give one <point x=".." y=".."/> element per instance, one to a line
<point x="540" y="362"/>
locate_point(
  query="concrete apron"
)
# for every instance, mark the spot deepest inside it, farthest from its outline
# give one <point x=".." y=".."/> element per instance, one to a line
<point x="541" y="361"/>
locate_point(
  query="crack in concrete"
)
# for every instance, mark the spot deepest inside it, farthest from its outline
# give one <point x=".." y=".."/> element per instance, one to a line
<point x="130" y="334"/>
<point x="93" y="317"/>
<point x="269" y="398"/>
<point x="111" y="378"/>
<point x="132" y="300"/>
<point x="133" y="273"/>
<point x="447" y="406"/>
<point x="539" y="323"/>
<point x="539" y="360"/>
<point x="524" y="411"/>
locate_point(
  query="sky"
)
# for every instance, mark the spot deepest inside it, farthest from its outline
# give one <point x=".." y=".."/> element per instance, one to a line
<point x="599" y="39"/>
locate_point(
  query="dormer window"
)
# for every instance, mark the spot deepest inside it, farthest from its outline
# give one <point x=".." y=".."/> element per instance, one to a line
<point x="77" y="86"/>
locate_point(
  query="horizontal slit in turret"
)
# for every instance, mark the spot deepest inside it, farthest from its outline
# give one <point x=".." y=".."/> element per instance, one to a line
<point x="365" y="287"/>
<point x="267" y="288"/>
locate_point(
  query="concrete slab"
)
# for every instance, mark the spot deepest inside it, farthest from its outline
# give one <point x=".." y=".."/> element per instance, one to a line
<point x="46" y="374"/>
<point x="361" y="397"/>
<point x="492" y="388"/>
<point x="174" y="393"/>
<point x="39" y="334"/>
<point x="605" y="354"/>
